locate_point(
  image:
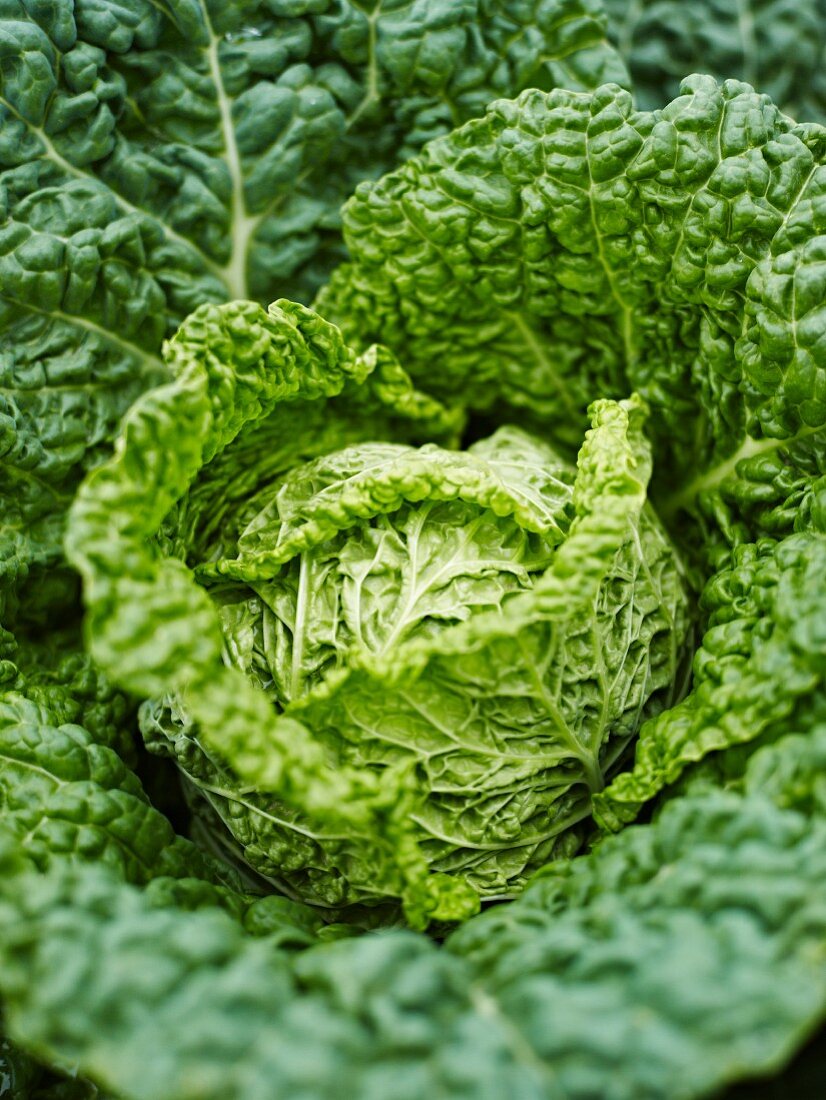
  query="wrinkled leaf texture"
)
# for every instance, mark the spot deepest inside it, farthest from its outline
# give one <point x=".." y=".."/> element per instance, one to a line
<point x="725" y="295"/>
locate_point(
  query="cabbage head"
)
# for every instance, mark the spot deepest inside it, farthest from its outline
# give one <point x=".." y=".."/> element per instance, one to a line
<point x="461" y="643"/>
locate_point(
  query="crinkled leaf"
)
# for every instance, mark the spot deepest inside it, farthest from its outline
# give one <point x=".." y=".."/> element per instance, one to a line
<point x="64" y="794"/>
<point x="569" y="245"/>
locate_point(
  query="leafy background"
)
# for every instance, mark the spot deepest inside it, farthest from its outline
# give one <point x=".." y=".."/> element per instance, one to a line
<point x="775" y="45"/>
<point x="158" y="156"/>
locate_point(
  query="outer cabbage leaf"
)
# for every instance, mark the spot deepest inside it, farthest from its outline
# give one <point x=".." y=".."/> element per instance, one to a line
<point x="775" y="45"/>
<point x="158" y="155"/>
<point x="54" y="672"/>
<point x="65" y="793"/>
<point x="680" y="956"/>
<point x="568" y="244"/>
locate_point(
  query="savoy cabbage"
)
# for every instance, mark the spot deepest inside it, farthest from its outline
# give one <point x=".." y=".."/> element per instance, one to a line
<point x="470" y="638"/>
<point x="404" y="587"/>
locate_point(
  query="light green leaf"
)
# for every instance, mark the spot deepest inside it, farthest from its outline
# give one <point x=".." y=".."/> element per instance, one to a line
<point x="156" y="631"/>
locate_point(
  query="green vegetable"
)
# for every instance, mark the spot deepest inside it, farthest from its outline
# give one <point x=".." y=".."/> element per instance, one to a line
<point x="568" y="245"/>
<point x="65" y="792"/>
<point x="457" y="647"/>
<point x="379" y="580"/>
